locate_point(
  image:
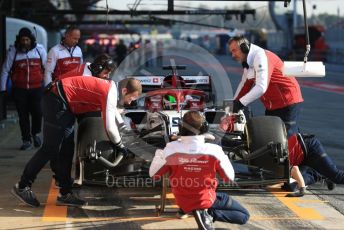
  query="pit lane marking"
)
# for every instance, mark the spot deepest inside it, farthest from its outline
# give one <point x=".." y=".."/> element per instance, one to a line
<point x="53" y="213"/>
<point x="302" y="212"/>
<point x="322" y="86"/>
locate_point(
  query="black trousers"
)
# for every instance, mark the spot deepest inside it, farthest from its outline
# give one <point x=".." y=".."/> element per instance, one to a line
<point x="58" y="129"/>
<point x="28" y="102"/>
<point x="289" y="115"/>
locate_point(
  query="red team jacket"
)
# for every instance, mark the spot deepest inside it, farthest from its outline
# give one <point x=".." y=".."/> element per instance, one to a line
<point x="87" y="94"/>
<point x="61" y="61"/>
<point x="192" y="165"/>
<point x="264" y="79"/>
<point x="25" y="69"/>
<point x="296" y="155"/>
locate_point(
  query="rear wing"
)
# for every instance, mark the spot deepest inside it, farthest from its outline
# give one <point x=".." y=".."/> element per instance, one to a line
<point x="198" y="82"/>
<point x="150" y="83"/>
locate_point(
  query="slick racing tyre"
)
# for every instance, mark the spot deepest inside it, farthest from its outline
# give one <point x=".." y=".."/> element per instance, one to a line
<point x="260" y="131"/>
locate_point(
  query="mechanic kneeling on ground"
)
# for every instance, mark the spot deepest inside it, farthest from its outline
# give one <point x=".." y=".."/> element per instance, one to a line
<point x="61" y="103"/>
<point x="307" y="152"/>
<point x="192" y="165"/>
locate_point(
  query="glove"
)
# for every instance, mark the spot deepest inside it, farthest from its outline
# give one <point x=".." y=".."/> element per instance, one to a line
<point x="119" y="147"/>
<point x="237" y="105"/>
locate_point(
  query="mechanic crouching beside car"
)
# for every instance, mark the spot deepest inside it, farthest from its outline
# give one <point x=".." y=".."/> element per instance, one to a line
<point x="63" y="101"/>
<point x="192" y="165"/>
<point x="307" y="152"/>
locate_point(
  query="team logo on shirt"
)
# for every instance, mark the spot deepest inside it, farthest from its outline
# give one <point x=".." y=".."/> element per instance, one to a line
<point x="68" y="62"/>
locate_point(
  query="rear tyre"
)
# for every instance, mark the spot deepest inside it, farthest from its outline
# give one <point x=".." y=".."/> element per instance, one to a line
<point x="260" y="131"/>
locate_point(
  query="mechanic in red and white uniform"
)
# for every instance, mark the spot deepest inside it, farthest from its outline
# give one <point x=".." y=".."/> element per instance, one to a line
<point x="64" y="57"/>
<point x="192" y="165"/>
<point x="24" y="65"/>
<point x="263" y="78"/>
<point x="101" y="67"/>
<point x="307" y="150"/>
<point x="64" y="100"/>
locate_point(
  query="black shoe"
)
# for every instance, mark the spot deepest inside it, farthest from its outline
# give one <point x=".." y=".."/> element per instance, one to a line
<point x="25" y="195"/>
<point x="289" y="187"/>
<point x="203" y="219"/>
<point x="57" y="184"/>
<point x="330" y="184"/>
<point x="299" y="193"/>
<point x="37" y="141"/>
<point x="181" y="214"/>
<point x="26" y="145"/>
<point x="70" y="200"/>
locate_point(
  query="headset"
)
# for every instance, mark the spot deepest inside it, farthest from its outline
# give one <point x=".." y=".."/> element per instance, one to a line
<point x="98" y="66"/>
<point x="186" y="129"/>
<point x="244" y="44"/>
<point x="29" y="34"/>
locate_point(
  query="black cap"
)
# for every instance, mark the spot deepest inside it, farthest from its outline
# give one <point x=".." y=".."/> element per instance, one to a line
<point x="25" y="32"/>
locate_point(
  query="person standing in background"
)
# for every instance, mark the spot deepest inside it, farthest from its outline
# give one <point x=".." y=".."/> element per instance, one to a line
<point x="64" y="57"/>
<point x="24" y="65"/>
<point x="121" y="52"/>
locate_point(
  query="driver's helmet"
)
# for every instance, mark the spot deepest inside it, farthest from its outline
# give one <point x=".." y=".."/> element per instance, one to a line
<point x="171" y="99"/>
<point x="169" y="102"/>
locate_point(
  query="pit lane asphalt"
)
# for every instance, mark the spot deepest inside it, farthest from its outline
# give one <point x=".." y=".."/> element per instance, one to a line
<point x="134" y="208"/>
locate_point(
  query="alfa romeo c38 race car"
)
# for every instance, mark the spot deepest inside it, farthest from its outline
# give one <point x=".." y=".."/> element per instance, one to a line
<point x="256" y="146"/>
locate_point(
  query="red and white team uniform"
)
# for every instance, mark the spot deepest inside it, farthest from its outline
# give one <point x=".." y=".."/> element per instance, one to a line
<point x="81" y="70"/>
<point x="27" y="68"/>
<point x="192" y="165"/>
<point x="85" y="94"/>
<point x="62" y="60"/>
<point x="264" y="79"/>
<point x="296" y="155"/>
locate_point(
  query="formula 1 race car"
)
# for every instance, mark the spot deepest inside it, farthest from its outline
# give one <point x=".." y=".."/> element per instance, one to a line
<point x="256" y="146"/>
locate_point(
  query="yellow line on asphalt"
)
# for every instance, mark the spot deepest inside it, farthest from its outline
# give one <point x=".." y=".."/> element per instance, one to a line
<point x="291" y="203"/>
<point x="115" y="219"/>
<point x="51" y="211"/>
<point x="273" y="218"/>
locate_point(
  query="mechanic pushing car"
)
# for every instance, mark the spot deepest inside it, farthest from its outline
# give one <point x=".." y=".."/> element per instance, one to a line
<point x="65" y="99"/>
<point x="192" y="165"/>
<point x="307" y="150"/>
<point x="101" y="67"/>
<point x="263" y="78"/>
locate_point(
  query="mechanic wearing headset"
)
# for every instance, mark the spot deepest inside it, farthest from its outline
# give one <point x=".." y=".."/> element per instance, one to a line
<point x="101" y="67"/>
<point x="64" y="57"/>
<point x="263" y="78"/>
<point x="307" y="150"/>
<point x="64" y="100"/>
<point x="24" y="64"/>
<point x="192" y="165"/>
